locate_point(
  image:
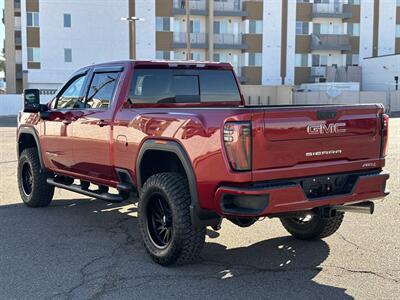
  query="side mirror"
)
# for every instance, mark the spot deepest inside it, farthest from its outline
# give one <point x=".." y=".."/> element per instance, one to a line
<point x="32" y="100"/>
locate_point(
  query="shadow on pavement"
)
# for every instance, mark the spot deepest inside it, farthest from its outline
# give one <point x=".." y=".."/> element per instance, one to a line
<point x="88" y="248"/>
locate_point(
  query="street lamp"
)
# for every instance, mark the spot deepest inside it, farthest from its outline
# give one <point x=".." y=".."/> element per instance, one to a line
<point x="132" y="20"/>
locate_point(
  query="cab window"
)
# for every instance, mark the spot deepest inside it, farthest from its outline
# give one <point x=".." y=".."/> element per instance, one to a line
<point x="72" y="96"/>
<point x="101" y="90"/>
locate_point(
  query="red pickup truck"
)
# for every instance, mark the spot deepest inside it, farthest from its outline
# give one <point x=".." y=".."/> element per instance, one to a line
<point x="178" y="138"/>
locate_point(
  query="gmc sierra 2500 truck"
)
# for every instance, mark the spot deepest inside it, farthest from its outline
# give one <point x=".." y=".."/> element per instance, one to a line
<point x="179" y="136"/>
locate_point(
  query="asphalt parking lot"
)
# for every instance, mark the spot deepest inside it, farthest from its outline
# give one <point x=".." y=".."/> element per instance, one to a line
<point x="84" y="248"/>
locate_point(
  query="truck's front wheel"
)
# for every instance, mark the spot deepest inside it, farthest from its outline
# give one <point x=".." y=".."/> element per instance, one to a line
<point x="32" y="184"/>
<point x="164" y="219"/>
<point x="312" y="226"/>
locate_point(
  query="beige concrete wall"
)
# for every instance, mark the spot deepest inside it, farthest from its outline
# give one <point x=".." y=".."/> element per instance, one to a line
<point x="394" y="101"/>
<point x="345" y="97"/>
<point x="267" y="95"/>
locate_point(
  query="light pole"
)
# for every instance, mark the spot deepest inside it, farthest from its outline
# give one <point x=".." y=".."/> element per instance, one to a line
<point x="189" y="50"/>
<point x="132" y="20"/>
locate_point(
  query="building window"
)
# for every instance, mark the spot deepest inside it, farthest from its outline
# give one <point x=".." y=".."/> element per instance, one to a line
<point x="302" y="28"/>
<point x="319" y="60"/>
<point x="17" y="4"/>
<point x="353" y="29"/>
<point x="195" y="56"/>
<point x="355" y="2"/>
<point x="67" y="55"/>
<point x="301" y="60"/>
<point x="17" y="38"/>
<point x="220" y="27"/>
<point x="255" y="59"/>
<point x="32" y="19"/>
<point x="255" y="26"/>
<point x="163" y="55"/>
<point x="162" y="24"/>
<point x="33" y="54"/>
<point x="195" y="26"/>
<point x="397" y="2"/>
<point x="397" y="30"/>
<point x="352" y="59"/>
<point x="67" y="20"/>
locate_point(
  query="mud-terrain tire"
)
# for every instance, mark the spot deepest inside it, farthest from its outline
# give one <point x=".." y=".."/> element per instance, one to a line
<point x="164" y="206"/>
<point x="314" y="228"/>
<point x="32" y="184"/>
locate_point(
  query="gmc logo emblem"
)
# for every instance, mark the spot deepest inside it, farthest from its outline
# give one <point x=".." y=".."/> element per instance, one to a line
<point x="326" y="128"/>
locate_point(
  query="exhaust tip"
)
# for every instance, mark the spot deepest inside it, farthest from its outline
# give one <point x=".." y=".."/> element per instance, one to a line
<point x="367" y="207"/>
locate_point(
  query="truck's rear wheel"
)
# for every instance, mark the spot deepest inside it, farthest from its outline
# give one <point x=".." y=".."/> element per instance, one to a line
<point x="312" y="226"/>
<point x="165" y="223"/>
<point x="33" y="188"/>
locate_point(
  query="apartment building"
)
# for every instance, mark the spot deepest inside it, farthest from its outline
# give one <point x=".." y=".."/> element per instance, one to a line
<point x="270" y="42"/>
<point x="47" y="40"/>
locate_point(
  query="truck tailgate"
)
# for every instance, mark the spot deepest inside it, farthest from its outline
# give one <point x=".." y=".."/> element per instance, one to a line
<point x="299" y="135"/>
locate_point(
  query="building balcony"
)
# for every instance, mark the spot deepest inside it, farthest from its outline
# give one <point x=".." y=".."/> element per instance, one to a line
<point x="198" y="7"/>
<point x="197" y="40"/>
<point x="228" y="41"/>
<point x="229" y="8"/>
<point x="330" y="10"/>
<point x="340" y="42"/>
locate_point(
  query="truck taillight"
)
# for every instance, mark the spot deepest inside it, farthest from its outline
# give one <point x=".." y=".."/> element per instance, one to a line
<point x="385" y="135"/>
<point x="237" y="141"/>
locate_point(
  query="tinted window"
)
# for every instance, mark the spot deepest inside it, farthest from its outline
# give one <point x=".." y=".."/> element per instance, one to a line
<point x="218" y="85"/>
<point x="101" y="90"/>
<point x="177" y="85"/>
<point x="72" y="97"/>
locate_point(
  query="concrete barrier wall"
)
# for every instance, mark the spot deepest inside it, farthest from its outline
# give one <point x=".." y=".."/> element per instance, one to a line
<point x="394" y="101"/>
<point x="11" y="104"/>
<point x="349" y="98"/>
<point x="267" y="95"/>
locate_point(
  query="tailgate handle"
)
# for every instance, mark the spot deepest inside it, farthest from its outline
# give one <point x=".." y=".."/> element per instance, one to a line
<point x="326" y="114"/>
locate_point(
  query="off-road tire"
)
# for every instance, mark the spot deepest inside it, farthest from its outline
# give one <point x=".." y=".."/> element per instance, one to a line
<point x="186" y="241"/>
<point x="41" y="193"/>
<point x="316" y="228"/>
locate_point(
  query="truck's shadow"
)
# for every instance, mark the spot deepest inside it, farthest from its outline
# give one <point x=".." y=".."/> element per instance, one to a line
<point x="89" y="248"/>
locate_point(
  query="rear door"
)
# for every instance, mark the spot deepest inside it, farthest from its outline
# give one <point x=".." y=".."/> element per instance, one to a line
<point x="300" y="135"/>
<point x="92" y="128"/>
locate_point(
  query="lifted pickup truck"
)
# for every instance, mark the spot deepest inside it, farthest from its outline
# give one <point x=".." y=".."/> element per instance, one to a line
<point x="179" y="136"/>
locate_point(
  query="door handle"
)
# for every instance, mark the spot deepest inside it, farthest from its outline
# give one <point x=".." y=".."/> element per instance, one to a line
<point x="102" y="123"/>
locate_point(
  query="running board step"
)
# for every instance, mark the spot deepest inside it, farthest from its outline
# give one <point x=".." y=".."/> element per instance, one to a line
<point x="95" y="194"/>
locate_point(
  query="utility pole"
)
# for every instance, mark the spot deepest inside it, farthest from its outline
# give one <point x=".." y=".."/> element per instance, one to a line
<point x="188" y="52"/>
<point x="132" y="22"/>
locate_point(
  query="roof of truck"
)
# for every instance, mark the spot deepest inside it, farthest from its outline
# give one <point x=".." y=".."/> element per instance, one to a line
<point x="169" y="63"/>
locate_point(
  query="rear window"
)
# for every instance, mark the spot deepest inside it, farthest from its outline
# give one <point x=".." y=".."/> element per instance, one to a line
<point x="183" y="86"/>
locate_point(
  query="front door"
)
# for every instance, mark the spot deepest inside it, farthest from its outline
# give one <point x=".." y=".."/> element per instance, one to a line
<point x="92" y="128"/>
<point x="57" y="131"/>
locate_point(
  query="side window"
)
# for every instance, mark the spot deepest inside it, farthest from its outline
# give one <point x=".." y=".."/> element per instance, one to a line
<point x="72" y="97"/>
<point x="101" y="90"/>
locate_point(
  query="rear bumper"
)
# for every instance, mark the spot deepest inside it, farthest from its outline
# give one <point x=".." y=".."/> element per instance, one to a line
<point x="263" y="199"/>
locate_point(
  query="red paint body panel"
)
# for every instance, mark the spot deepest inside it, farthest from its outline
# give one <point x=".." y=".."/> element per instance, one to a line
<point x="73" y="144"/>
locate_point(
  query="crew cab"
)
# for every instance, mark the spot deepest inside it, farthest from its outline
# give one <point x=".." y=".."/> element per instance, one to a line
<point x="178" y="138"/>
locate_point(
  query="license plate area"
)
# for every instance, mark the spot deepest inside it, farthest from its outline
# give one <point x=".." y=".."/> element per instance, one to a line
<point x="328" y="185"/>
